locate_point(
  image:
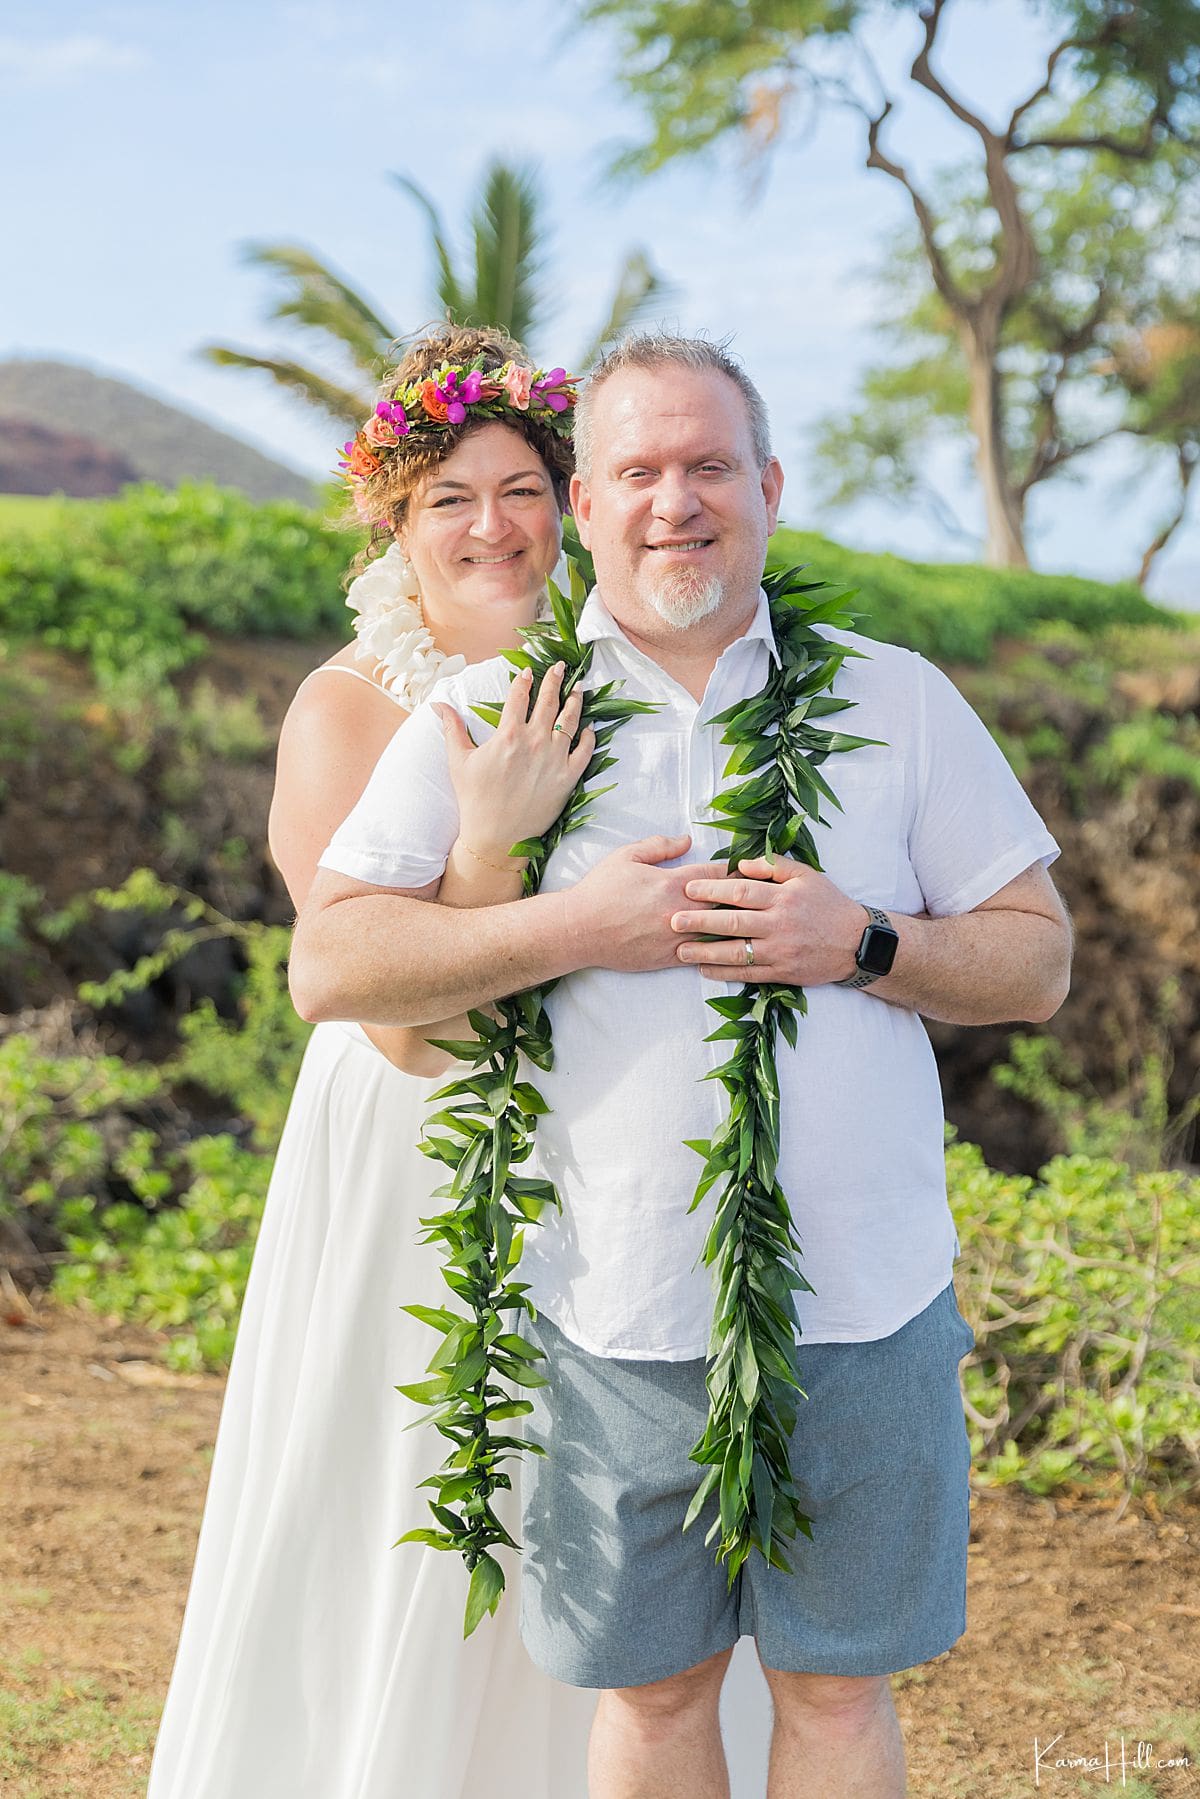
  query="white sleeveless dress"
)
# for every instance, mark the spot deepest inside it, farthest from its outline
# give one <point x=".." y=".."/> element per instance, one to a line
<point x="316" y="1661"/>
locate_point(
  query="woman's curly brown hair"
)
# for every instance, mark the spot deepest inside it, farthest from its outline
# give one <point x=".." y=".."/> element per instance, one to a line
<point x="390" y="490"/>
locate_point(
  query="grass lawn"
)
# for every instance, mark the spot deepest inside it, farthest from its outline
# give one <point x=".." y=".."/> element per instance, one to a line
<point x="31" y="515"/>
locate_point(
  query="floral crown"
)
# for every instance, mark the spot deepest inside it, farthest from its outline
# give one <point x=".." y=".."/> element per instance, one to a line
<point x="418" y="413"/>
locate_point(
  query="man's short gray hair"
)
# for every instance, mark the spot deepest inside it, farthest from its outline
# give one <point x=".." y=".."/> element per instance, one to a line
<point x="657" y="350"/>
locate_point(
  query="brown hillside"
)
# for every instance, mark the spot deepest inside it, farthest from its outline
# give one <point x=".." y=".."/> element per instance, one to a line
<point x="160" y="442"/>
<point x="37" y="460"/>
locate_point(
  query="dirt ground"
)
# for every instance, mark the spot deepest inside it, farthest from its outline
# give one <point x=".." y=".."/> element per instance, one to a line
<point x="1084" y="1623"/>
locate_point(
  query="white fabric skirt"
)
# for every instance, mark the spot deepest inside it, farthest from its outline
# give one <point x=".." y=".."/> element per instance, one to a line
<point x="315" y="1660"/>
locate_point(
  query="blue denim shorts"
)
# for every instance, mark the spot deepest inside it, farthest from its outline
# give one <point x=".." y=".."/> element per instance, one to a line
<point x="614" y="1594"/>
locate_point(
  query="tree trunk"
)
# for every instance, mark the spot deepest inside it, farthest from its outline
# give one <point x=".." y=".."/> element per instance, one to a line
<point x="1186" y="457"/>
<point x="1005" y="514"/>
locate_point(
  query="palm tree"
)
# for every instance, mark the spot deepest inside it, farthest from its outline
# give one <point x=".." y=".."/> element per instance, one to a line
<point x="503" y="286"/>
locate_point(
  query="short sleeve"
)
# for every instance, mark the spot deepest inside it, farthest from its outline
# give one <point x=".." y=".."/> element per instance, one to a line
<point x="402" y="830"/>
<point x="974" y="827"/>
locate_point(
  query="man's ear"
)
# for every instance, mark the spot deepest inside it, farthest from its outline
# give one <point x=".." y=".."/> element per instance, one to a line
<point x="580" y="508"/>
<point x="772" y="487"/>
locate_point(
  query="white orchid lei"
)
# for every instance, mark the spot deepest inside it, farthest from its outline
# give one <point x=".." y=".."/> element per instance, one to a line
<point x="391" y="630"/>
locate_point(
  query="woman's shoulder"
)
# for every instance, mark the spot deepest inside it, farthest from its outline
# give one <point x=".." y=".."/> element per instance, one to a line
<point x="340" y="696"/>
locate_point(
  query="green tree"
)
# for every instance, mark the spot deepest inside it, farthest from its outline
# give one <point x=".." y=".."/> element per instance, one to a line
<point x="501" y="282"/>
<point x="1103" y="344"/>
<point x="1120" y="84"/>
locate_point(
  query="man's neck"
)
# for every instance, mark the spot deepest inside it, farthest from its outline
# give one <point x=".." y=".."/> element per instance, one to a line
<point x="690" y="653"/>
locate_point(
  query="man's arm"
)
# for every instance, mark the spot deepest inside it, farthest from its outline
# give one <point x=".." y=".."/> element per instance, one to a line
<point x="386" y="955"/>
<point x="1008" y="958"/>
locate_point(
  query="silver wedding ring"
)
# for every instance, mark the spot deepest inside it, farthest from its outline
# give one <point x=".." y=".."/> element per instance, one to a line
<point x="749" y="952"/>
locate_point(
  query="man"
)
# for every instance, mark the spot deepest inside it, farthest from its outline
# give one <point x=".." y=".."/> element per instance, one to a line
<point x="675" y="495"/>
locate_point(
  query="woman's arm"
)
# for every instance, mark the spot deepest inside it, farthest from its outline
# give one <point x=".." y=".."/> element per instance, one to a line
<point x="511" y="789"/>
<point x="335" y="731"/>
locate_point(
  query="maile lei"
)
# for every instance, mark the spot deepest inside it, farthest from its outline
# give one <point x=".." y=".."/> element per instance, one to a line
<point x="485" y="1127"/>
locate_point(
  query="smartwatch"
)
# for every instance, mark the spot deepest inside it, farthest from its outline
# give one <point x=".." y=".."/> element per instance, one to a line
<point x="876" y="950"/>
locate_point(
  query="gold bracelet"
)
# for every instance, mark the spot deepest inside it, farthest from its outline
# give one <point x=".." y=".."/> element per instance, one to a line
<point x="501" y="868"/>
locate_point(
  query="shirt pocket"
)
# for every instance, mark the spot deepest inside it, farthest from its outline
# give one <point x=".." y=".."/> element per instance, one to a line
<point x="860" y="851"/>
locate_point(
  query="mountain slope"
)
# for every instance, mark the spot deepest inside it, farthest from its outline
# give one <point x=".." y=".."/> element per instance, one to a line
<point x="159" y="442"/>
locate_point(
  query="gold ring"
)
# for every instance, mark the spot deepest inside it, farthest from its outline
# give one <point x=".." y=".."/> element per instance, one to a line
<point x="749" y="952"/>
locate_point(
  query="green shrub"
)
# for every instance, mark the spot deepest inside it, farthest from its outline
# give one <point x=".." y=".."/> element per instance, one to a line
<point x="954" y="611"/>
<point x="1152" y="743"/>
<point x="125" y="581"/>
<point x="1083" y="1288"/>
<point x="64" y="1124"/>
<point x="221" y="561"/>
<point x="62" y="593"/>
<point x="182" y="1269"/>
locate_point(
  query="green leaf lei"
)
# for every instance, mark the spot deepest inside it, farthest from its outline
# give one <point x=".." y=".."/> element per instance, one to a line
<point x="489" y="1118"/>
<point x="487" y="1123"/>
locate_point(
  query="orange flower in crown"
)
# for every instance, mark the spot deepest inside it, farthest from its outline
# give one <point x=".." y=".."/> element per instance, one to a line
<point x="445" y="399"/>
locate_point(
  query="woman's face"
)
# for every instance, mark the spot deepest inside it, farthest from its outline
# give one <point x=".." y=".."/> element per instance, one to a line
<point x="484" y="530"/>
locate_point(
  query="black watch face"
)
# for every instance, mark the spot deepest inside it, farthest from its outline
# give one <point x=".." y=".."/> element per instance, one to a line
<point x="878" y="949"/>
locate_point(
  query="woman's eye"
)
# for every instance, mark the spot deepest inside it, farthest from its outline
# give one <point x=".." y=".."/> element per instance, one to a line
<point x="451" y="499"/>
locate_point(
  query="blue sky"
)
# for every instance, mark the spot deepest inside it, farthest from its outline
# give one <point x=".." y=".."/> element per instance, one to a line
<point x="142" y="144"/>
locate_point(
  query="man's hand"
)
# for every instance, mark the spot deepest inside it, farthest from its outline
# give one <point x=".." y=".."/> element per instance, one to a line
<point x="804" y="929"/>
<point x="621" y="912"/>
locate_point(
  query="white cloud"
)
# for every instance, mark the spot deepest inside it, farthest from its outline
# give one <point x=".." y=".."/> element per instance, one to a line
<point x="54" y="62"/>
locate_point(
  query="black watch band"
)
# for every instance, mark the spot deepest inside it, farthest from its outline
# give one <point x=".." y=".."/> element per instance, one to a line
<point x="876" y="950"/>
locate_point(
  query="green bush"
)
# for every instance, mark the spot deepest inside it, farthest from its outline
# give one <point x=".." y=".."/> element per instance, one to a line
<point x="65" y="1124"/>
<point x="955" y="611"/>
<point x="1083" y="1289"/>
<point x="59" y="591"/>
<point x="182" y="1268"/>
<point x="126" y="581"/>
<point x="221" y="561"/>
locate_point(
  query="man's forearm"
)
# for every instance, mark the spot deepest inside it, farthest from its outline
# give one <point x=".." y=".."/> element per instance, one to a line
<point x="987" y="967"/>
<point x="392" y="960"/>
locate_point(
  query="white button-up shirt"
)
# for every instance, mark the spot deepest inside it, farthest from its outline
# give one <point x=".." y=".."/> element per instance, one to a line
<point x="933" y="820"/>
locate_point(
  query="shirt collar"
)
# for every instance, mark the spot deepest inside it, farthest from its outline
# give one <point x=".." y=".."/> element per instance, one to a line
<point x="596" y="621"/>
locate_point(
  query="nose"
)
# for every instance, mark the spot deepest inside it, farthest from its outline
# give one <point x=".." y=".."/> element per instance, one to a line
<point x="676" y="499"/>
<point x="491" y="523"/>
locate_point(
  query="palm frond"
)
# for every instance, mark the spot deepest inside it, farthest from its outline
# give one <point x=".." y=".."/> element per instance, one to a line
<point x="341" y="404"/>
<point x="453" y="297"/>
<point x="509" y="250"/>
<point x="318" y="298"/>
<point x="639" y="289"/>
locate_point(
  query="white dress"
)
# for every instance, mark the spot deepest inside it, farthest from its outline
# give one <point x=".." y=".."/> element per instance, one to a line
<point x="316" y="1660"/>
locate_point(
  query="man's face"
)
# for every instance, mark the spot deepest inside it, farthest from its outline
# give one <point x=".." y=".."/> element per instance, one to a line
<point x="676" y="511"/>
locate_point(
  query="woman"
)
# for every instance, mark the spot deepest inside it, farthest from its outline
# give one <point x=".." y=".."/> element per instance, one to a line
<point x="317" y="1660"/>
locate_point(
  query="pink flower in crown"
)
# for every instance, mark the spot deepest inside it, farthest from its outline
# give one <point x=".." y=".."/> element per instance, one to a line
<point x="517" y="382"/>
<point x="380" y="431"/>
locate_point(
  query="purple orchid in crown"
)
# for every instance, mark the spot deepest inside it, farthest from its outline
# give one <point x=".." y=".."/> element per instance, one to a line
<point x="457" y="395"/>
<point x="395" y="415"/>
<point x="545" y="392"/>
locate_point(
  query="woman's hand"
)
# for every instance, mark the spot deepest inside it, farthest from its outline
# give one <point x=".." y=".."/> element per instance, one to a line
<point x="515" y="785"/>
